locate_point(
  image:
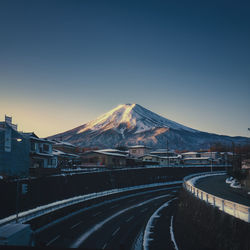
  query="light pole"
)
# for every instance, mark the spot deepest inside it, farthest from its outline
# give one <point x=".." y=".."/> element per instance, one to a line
<point x="17" y="186"/>
<point x="167" y="153"/>
<point x="211" y="159"/>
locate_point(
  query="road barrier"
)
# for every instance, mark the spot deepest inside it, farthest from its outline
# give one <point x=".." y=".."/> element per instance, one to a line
<point x="237" y="210"/>
<point x="39" y="211"/>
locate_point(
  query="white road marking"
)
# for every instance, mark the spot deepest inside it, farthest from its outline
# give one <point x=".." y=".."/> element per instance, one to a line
<point x="104" y="246"/>
<point x="76" y="224"/>
<point x="97" y="214"/>
<point x="53" y="240"/>
<point x="96" y="227"/>
<point x="172" y="234"/>
<point x="130" y="218"/>
<point x="147" y="232"/>
<point x="115" y="232"/>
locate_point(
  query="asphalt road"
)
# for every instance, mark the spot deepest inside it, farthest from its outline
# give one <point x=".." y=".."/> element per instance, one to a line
<point x="217" y="186"/>
<point x="118" y="224"/>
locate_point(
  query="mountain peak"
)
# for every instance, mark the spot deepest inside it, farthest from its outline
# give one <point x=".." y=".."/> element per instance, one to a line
<point x="131" y="124"/>
<point x="128" y="117"/>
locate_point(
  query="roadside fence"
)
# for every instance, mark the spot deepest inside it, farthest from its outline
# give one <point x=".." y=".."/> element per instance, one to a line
<point x="235" y="209"/>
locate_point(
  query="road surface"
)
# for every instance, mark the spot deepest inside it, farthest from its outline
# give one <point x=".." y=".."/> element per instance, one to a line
<point x="118" y="223"/>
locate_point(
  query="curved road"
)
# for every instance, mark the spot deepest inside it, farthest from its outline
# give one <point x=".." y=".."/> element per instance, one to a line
<point x="118" y="223"/>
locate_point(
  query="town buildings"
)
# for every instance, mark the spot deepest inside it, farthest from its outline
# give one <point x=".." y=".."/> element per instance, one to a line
<point x="14" y="150"/>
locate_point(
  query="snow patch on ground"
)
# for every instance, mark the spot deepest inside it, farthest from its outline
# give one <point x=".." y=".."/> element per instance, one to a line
<point x="172" y="234"/>
<point x="138" y="242"/>
<point x="84" y="236"/>
<point x="147" y="232"/>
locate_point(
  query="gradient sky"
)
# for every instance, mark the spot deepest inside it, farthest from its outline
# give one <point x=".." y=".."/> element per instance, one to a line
<point x="63" y="63"/>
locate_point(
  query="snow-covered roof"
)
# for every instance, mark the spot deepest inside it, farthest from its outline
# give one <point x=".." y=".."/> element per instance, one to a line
<point x="162" y="150"/>
<point x="112" y="150"/>
<point x="42" y="154"/>
<point x="189" y="153"/>
<point x="149" y="155"/>
<point x="197" y="158"/>
<point x="171" y="157"/>
<point x="105" y="153"/>
<point x="64" y="143"/>
<point x="60" y="153"/>
<point x="139" y="146"/>
<point x="33" y="136"/>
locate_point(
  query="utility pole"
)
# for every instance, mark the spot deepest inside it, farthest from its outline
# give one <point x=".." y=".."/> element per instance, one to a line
<point x="17" y="199"/>
<point x="167" y="153"/>
<point x="211" y="159"/>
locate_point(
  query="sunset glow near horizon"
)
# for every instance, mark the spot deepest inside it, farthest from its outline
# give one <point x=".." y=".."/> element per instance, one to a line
<point x="65" y="63"/>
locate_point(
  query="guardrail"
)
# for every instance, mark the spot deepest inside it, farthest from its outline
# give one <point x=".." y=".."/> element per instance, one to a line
<point x="235" y="209"/>
<point x="39" y="211"/>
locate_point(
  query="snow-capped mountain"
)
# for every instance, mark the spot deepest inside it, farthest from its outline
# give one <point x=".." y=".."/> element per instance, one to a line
<point x="132" y="124"/>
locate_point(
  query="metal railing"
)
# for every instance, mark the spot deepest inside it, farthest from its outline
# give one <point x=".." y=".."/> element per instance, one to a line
<point x="39" y="211"/>
<point x="237" y="210"/>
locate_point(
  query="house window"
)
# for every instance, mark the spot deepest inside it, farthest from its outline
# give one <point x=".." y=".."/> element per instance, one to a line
<point x="33" y="146"/>
<point x="45" y="147"/>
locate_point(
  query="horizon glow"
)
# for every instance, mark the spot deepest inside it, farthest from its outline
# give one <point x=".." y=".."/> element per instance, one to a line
<point x="65" y="63"/>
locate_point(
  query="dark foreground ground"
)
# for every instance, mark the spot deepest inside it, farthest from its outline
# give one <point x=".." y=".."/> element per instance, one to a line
<point x="200" y="226"/>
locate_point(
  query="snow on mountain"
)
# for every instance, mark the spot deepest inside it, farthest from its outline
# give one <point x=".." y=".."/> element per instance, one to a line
<point x="131" y="117"/>
<point x="132" y="124"/>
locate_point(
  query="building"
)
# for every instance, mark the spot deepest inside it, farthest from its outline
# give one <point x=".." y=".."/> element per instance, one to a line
<point x="67" y="154"/>
<point x="41" y="154"/>
<point x="197" y="161"/>
<point x="190" y="155"/>
<point x="162" y="161"/>
<point x="152" y="159"/>
<point x="170" y="161"/>
<point x="103" y="159"/>
<point x="66" y="160"/>
<point x="163" y="153"/>
<point x="138" y="151"/>
<point x="14" y="150"/>
<point x="65" y="147"/>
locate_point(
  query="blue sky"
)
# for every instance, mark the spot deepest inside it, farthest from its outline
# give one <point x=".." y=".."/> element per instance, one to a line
<point x="63" y="63"/>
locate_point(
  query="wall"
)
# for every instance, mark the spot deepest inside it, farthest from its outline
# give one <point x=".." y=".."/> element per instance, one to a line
<point x="16" y="162"/>
<point x="48" y="189"/>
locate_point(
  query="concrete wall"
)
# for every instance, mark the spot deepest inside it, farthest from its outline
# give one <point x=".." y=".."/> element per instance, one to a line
<point x="17" y="161"/>
<point x="48" y="189"/>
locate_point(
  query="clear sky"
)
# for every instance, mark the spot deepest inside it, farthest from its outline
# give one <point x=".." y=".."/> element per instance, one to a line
<point x="63" y="63"/>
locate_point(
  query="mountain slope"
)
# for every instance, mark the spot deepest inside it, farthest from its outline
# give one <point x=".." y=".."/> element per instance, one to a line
<point x="131" y="124"/>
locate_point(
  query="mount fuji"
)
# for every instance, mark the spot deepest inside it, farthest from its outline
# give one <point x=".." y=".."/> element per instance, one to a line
<point x="132" y="124"/>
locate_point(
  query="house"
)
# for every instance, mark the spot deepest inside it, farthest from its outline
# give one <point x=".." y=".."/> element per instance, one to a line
<point x="170" y="161"/>
<point x="162" y="161"/>
<point x="190" y="155"/>
<point x="196" y="161"/>
<point x="163" y="152"/>
<point x="103" y="159"/>
<point x="14" y="150"/>
<point x="66" y="160"/>
<point x="41" y="155"/>
<point x="65" y="147"/>
<point x="152" y="159"/>
<point x="139" y="150"/>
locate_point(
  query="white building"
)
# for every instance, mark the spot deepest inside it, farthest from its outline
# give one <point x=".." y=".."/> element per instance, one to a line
<point x="139" y="150"/>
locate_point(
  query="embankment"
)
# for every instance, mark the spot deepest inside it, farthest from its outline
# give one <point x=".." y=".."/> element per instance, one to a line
<point x="200" y="226"/>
